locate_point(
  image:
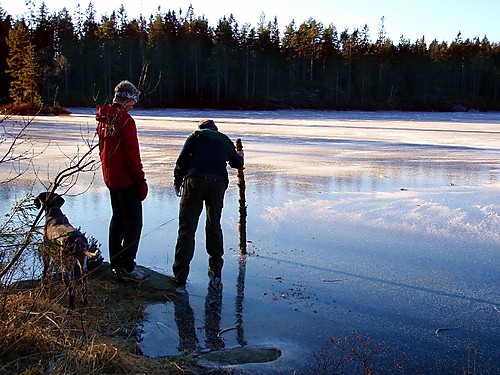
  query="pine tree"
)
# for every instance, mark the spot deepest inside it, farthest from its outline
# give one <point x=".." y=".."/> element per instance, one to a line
<point x="23" y="68"/>
<point x="5" y="26"/>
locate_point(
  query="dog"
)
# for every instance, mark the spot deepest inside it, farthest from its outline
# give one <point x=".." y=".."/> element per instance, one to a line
<point x="65" y="244"/>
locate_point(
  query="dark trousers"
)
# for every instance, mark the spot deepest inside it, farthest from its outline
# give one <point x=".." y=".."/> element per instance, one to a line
<point x="125" y="227"/>
<point x="211" y="190"/>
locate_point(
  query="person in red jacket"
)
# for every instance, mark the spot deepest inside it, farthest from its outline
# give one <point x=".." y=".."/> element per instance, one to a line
<point x="123" y="175"/>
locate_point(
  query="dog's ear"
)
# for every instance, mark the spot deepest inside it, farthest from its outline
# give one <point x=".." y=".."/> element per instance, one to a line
<point x="48" y="198"/>
<point x="40" y="200"/>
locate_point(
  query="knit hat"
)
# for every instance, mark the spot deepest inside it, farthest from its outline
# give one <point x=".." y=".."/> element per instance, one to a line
<point x="207" y="124"/>
<point x="127" y="90"/>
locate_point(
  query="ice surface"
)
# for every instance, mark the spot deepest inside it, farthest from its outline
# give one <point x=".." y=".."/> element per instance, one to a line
<point x="386" y="223"/>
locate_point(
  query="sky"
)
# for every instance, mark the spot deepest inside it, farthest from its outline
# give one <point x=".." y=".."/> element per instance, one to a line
<point x="432" y="19"/>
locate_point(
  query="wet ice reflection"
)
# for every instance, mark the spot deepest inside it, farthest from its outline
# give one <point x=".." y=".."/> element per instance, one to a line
<point x="195" y="332"/>
<point x="184" y="318"/>
<point x="376" y="222"/>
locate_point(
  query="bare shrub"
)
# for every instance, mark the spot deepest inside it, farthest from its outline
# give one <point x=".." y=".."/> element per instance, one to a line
<point x="353" y="354"/>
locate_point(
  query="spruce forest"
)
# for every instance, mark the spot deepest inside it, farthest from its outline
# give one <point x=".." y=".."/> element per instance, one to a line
<point x="178" y="60"/>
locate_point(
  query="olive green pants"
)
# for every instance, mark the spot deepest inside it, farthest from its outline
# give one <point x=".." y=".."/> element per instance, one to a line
<point x="198" y="190"/>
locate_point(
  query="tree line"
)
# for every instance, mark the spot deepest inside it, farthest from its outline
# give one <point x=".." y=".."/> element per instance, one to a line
<point x="181" y="61"/>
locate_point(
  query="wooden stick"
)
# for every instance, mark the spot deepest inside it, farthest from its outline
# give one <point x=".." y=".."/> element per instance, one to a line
<point x="242" y="226"/>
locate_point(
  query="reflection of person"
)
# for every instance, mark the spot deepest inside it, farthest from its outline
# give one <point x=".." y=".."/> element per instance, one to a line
<point x="201" y="170"/>
<point x="124" y="177"/>
<point x="213" y="312"/>
<point x="184" y="318"/>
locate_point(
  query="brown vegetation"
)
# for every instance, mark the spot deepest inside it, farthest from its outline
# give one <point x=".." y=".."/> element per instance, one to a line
<point x="30" y="110"/>
<point x="38" y="335"/>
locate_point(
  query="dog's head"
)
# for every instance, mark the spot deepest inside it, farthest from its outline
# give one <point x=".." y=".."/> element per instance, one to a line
<point x="48" y="199"/>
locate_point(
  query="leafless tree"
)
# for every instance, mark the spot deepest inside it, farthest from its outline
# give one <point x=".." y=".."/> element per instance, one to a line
<point x="18" y="149"/>
<point x="20" y="228"/>
<point x="15" y="146"/>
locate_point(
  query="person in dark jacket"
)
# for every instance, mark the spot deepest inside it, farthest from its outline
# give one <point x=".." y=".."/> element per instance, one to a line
<point x="200" y="176"/>
<point x="124" y="176"/>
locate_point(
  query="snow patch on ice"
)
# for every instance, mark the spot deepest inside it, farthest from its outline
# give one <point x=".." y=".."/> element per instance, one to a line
<point x="425" y="213"/>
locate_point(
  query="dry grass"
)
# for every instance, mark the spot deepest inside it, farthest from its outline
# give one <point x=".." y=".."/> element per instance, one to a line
<point x="39" y="335"/>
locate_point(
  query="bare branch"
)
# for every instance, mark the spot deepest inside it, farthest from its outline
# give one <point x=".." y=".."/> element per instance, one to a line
<point x="67" y="176"/>
<point x="28" y="239"/>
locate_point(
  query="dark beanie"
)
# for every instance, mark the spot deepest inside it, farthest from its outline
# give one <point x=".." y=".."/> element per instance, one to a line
<point x="207" y="124"/>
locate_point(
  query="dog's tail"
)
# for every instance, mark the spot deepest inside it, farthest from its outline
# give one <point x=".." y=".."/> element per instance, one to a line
<point x="88" y="251"/>
<point x="91" y="255"/>
<point x="93" y="258"/>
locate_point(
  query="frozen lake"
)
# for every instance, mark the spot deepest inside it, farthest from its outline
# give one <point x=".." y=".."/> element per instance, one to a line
<point x="382" y="224"/>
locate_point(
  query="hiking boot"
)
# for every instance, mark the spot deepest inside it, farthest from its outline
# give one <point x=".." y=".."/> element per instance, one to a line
<point x="136" y="275"/>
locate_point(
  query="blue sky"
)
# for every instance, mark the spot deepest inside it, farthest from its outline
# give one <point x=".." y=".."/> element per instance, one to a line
<point x="434" y="19"/>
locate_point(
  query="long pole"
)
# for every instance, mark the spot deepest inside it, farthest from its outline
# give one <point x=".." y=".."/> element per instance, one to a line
<point x="242" y="226"/>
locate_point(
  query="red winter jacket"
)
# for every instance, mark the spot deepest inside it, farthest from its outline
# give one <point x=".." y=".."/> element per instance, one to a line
<point x="119" y="148"/>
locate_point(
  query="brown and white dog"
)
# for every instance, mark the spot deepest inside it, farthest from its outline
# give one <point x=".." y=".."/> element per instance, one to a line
<point x="65" y="244"/>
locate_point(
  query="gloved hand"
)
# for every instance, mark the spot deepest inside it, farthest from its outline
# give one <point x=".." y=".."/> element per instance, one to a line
<point x="178" y="188"/>
<point x="143" y="190"/>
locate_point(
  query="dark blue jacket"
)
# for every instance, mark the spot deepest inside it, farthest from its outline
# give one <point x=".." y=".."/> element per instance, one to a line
<point x="206" y="152"/>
